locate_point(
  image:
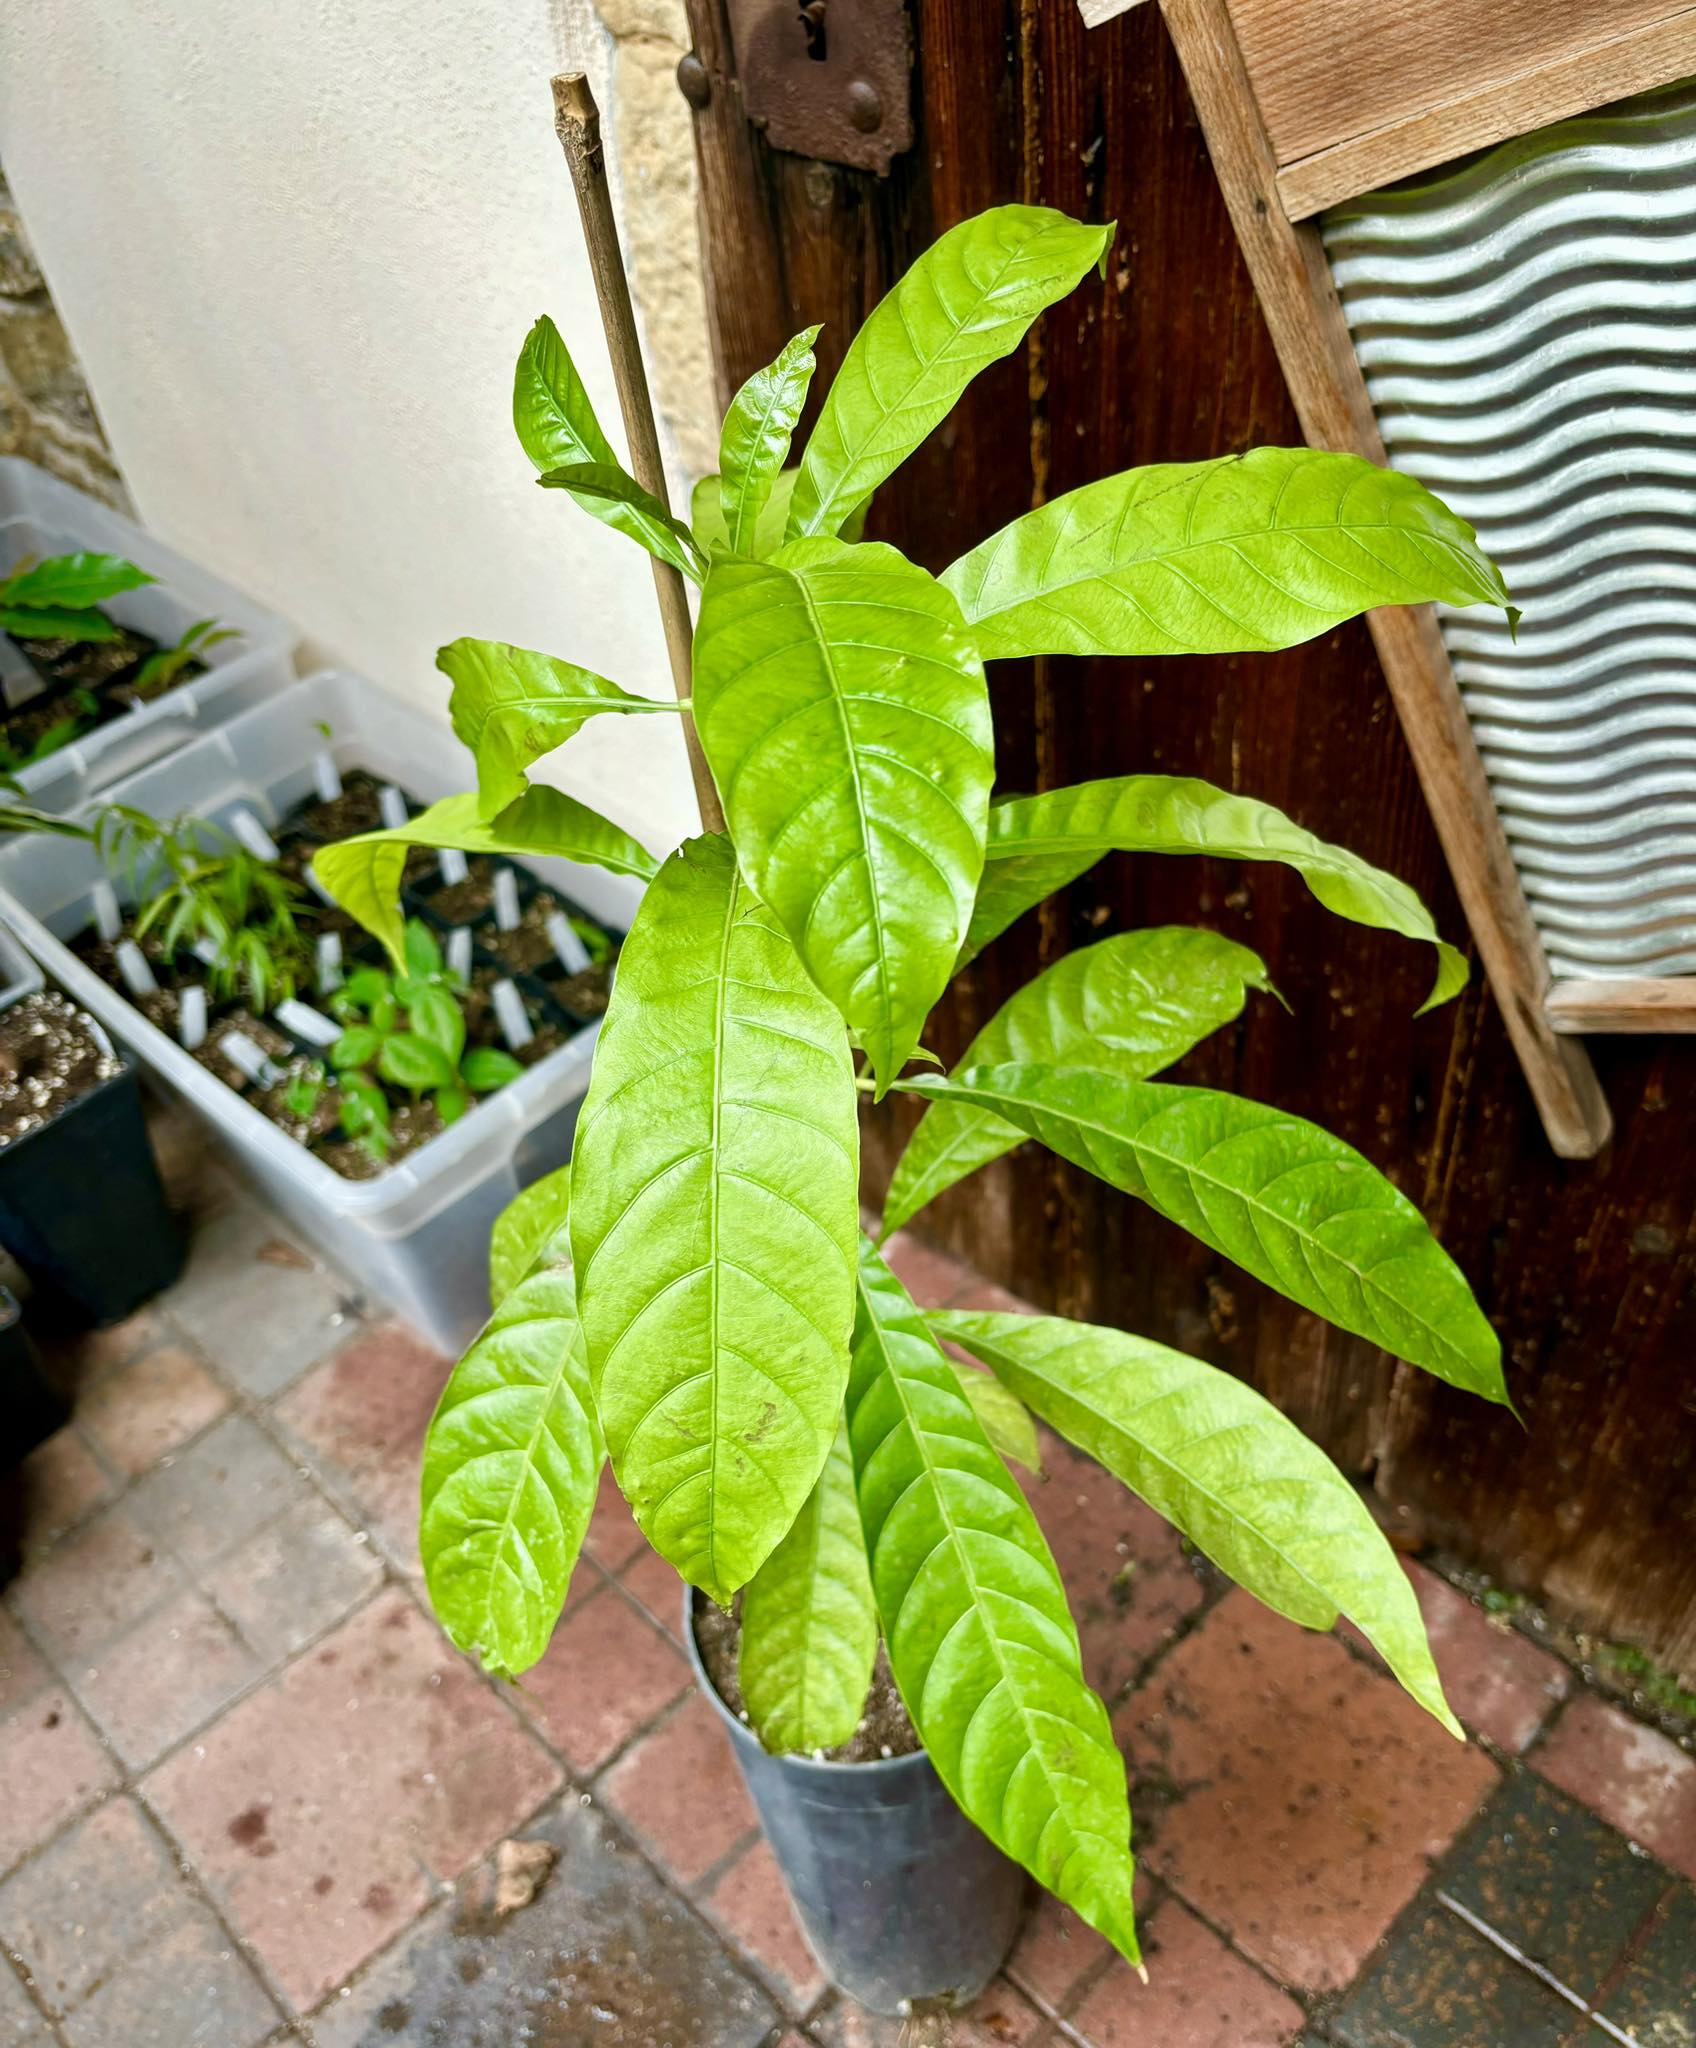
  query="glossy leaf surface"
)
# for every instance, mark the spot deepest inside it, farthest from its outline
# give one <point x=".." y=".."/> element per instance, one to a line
<point x="364" y="874"/>
<point x="1289" y="1203"/>
<point x="511" y="706"/>
<point x="611" y="494"/>
<point x="714" y="1216"/>
<point x="511" y="1465"/>
<point x="1243" y="553"/>
<point x="532" y="1229"/>
<point x="1221" y="1464"/>
<point x="963" y="305"/>
<point x="842" y="710"/>
<point x="754" y="442"/>
<point x="706" y="515"/>
<point x="1037" y="844"/>
<point x="71" y="581"/>
<point x="981" y="1641"/>
<point x="1130" y="1005"/>
<point x="809" y="1621"/>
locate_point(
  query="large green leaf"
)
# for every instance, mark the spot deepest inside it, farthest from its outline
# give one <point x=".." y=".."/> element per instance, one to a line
<point x="612" y="494"/>
<point x="511" y="706"/>
<point x="809" y="1621"/>
<point x="71" y="582"/>
<point x="1219" y="1461"/>
<point x="1038" y="844"/>
<point x="980" y="1638"/>
<point x="844" y="716"/>
<point x="511" y="1465"/>
<point x="558" y="429"/>
<point x="1005" y="1419"/>
<point x="1128" y="1005"/>
<point x="706" y="515"/>
<point x="754" y="443"/>
<point x="1244" y="553"/>
<point x="1288" y="1202"/>
<point x="531" y="1230"/>
<point x="964" y="304"/>
<point x="51" y="622"/>
<point x="713" y="1222"/>
<point x="363" y="874"/>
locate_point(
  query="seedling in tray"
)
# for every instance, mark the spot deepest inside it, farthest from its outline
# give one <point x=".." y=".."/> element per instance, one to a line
<point x="411" y="1028"/>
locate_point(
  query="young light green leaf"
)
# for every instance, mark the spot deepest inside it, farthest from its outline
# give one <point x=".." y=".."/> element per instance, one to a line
<point x="49" y="622"/>
<point x="511" y="706"/>
<point x="511" y="1466"/>
<point x="754" y="443"/>
<point x="1128" y="1005"/>
<point x="434" y="1013"/>
<point x="980" y="1638"/>
<point x="1221" y="1464"/>
<point x="71" y="582"/>
<point x="532" y="1230"/>
<point x="555" y="422"/>
<point x="1243" y="553"/>
<point x="488" y="1067"/>
<point x="1037" y="844"/>
<point x="713" y="1221"/>
<point x="706" y="516"/>
<point x="1289" y="1203"/>
<point x="844" y="716"/>
<point x="611" y="494"/>
<point x="363" y="874"/>
<point x="809" y="1621"/>
<point x="963" y="305"/>
<point x="1005" y="1419"/>
<point x="414" y="1063"/>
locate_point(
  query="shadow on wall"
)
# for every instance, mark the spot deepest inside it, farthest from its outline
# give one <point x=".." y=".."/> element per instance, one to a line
<point x="46" y="412"/>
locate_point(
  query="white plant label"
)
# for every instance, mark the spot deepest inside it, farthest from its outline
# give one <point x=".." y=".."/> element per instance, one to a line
<point x="306" y="1022"/>
<point x="506" y="899"/>
<point x="329" y="962"/>
<point x="103" y="901"/>
<point x="459" y="952"/>
<point x="191" y="1018"/>
<point x="132" y="965"/>
<point x="573" y="955"/>
<point x="509" y="1014"/>
<point x="326" y="776"/>
<point x="391" y="806"/>
<point x="249" y="1059"/>
<point x="455" y="867"/>
<point x="253" y="835"/>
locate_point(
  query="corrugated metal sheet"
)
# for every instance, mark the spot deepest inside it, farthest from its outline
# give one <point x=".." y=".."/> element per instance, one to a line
<point x="1527" y="325"/>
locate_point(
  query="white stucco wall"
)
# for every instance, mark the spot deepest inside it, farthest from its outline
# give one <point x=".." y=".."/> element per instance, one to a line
<point x="297" y="247"/>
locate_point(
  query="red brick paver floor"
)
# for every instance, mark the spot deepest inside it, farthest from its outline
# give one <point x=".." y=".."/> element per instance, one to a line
<point x="250" y="1796"/>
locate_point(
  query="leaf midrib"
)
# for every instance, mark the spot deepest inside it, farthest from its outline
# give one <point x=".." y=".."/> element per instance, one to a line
<point x="1192" y="1169"/>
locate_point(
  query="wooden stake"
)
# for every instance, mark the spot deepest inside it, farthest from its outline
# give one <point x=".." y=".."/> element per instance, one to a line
<point x="577" y="122"/>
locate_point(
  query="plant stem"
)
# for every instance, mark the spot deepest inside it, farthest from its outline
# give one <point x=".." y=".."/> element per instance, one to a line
<point x="577" y="122"/>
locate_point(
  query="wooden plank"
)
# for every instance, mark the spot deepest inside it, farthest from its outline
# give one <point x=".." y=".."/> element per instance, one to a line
<point x="1570" y="84"/>
<point x="1293" y="280"/>
<point x="1325" y="71"/>
<point x="1646" y="1004"/>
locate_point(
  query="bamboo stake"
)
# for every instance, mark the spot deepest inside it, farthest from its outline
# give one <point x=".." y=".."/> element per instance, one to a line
<point x="577" y="122"/>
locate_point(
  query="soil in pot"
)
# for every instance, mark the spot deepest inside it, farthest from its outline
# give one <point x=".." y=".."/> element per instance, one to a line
<point x="304" y="1127"/>
<point x="357" y="809"/>
<point x="49" y="1058"/>
<point x="527" y="949"/>
<point x="211" y="1055"/>
<point x="885" y="1729"/>
<point x="94" y="664"/>
<point x="465" y="902"/>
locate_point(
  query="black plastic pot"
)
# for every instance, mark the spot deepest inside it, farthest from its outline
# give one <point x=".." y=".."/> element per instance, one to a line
<point x="30" y="1411"/>
<point x="900" y="1897"/>
<point x="82" y="1209"/>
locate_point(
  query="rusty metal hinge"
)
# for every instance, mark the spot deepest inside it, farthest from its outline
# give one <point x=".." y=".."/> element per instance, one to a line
<point x="827" y="78"/>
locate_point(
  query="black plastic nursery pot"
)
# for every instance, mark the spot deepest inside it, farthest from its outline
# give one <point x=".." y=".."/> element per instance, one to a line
<point x="30" y="1411"/>
<point x="82" y="1209"/>
<point x="901" y="1898"/>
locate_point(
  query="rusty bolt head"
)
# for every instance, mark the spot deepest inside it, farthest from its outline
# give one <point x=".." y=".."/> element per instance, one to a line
<point x="865" y="109"/>
<point x="692" y="80"/>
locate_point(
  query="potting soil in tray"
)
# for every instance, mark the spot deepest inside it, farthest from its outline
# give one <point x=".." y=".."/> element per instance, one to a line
<point x="85" y="684"/>
<point x="49" y="1057"/>
<point x="527" y="949"/>
<point x="885" y="1729"/>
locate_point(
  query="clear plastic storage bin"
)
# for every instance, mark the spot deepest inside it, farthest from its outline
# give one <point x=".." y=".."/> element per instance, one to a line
<point x="416" y="1236"/>
<point x="41" y="516"/>
<point x="19" y="975"/>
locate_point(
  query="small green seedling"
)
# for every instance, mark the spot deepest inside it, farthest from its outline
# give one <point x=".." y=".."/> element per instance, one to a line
<point x="165" y="665"/>
<point x="410" y="1027"/>
<point x="82" y="707"/>
<point x="198" y="885"/>
<point x="57" y="599"/>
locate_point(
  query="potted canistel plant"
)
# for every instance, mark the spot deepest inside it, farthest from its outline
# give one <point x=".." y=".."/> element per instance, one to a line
<point x="695" y="1299"/>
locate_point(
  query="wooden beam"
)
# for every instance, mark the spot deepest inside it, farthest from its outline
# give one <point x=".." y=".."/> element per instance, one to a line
<point x="1645" y="1004"/>
<point x="1569" y="84"/>
<point x="1293" y="280"/>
